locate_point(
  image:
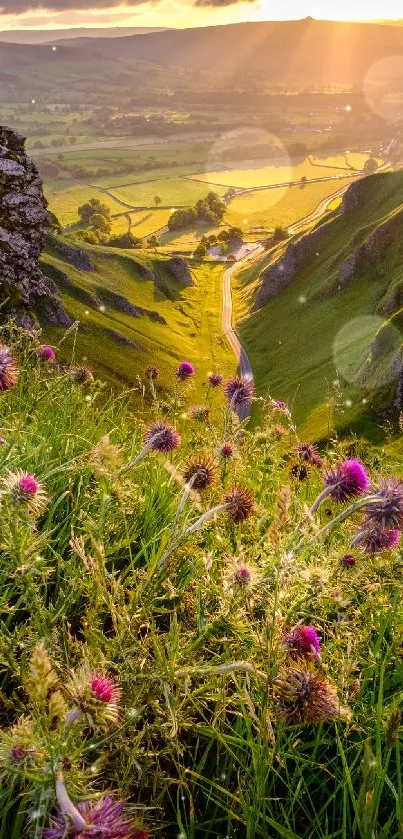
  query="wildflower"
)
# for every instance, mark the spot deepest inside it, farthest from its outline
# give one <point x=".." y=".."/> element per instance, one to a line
<point x="152" y="373"/>
<point x="347" y="480"/>
<point x="185" y="371"/>
<point x="95" y="696"/>
<point x="2" y="441"/>
<point x="24" y="490"/>
<point x="375" y="540"/>
<point x="215" y="380"/>
<point x="392" y="726"/>
<point x="8" y="369"/>
<point x="279" y="430"/>
<point x="102" y="819"/>
<point x="347" y="561"/>
<point x="387" y="511"/>
<point x="226" y="451"/>
<point x="200" y="413"/>
<point x="282" y="406"/>
<point x="242" y="575"/>
<point x="162" y="437"/>
<point x="303" y="640"/>
<point x="18" y="746"/>
<point x="82" y="375"/>
<point x="200" y="473"/>
<point x="240" y="503"/>
<point x="47" y="354"/>
<point x="239" y="391"/>
<point x="308" y="453"/>
<point x="304" y="696"/>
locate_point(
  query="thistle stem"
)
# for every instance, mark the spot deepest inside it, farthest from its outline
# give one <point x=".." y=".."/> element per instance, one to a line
<point x="358" y="505"/>
<point x="142" y="454"/>
<point x="207" y="516"/>
<point x="323" y="495"/>
<point x="67" y="807"/>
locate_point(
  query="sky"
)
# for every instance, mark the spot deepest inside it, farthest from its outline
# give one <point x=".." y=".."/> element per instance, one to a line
<point x="23" y="14"/>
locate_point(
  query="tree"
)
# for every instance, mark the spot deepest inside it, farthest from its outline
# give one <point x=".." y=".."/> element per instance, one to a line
<point x="125" y="240"/>
<point x="304" y="180"/>
<point x="152" y="242"/>
<point x="91" y="208"/>
<point x="200" y="251"/>
<point x="157" y="200"/>
<point x="100" y="223"/>
<point x="370" y="166"/>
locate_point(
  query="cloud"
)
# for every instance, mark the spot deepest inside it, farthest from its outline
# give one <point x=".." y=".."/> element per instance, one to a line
<point x="20" y="6"/>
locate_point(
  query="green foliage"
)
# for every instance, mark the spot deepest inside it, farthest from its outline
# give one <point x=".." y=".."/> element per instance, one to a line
<point x="197" y="746"/>
<point x="93" y="208"/>
<point x="210" y="209"/>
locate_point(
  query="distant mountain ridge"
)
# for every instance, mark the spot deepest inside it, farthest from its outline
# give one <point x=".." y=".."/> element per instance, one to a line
<point x="50" y="36"/>
<point x="298" y="49"/>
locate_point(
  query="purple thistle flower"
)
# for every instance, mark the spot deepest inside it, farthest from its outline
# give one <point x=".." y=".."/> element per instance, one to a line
<point x="104" y="688"/>
<point x="104" y="820"/>
<point x="308" y="453"/>
<point x="239" y="391"/>
<point x="8" y="369"/>
<point x="347" y="480"/>
<point x="376" y="541"/>
<point x="28" y="485"/>
<point x="185" y="371"/>
<point x="282" y="406"/>
<point x="18" y="753"/>
<point x="242" y="575"/>
<point x="215" y="380"/>
<point x="164" y="438"/>
<point x="303" y="640"/>
<point x="347" y="561"/>
<point x="47" y="354"/>
<point x="227" y="450"/>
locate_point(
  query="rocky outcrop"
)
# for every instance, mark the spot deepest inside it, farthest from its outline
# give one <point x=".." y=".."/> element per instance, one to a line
<point x="281" y="273"/>
<point x="370" y="252"/>
<point x="23" y="228"/>
<point x="179" y="269"/>
<point x="144" y="272"/>
<point x="354" y="197"/>
<point x="122" y="304"/>
<point x="73" y="255"/>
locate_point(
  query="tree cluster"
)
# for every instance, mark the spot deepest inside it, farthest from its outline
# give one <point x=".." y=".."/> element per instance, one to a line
<point x="210" y="209"/>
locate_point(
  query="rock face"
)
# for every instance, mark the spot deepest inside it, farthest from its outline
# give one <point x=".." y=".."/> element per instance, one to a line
<point x="371" y="251"/>
<point x="23" y="227"/>
<point x="179" y="268"/>
<point x="75" y="256"/>
<point x="281" y="273"/>
<point x="122" y="304"/>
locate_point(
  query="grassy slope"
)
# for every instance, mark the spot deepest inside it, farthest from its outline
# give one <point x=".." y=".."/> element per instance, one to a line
<point x="193" y="316"/>
<point x="291" y="340"/>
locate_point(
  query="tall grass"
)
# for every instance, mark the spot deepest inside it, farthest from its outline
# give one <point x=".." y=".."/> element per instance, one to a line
<point x="198" y="748"/>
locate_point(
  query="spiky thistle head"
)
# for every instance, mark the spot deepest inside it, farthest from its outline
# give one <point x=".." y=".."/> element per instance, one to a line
<point x="41" y="677"/>
<point x="226" y="451"/>
<point x="241" y="503"/>
<point x="387" y="512"/>
<point x="8" y="369"/>
<point x="25" y="491"/>
<point x="242" y="574"/>
<point x="152" y="373"/>
<point x="19" y="747"/>
<point x="374" y="540"/>
<point x="215" y="380"/>
<point x="185" y="371"/>
<point x="299" y="471"/>
<point x="347" y="480"/>
<point x="239" y="391"/>
<point x="347" y="561"/>
<point x="163" y="437"/>
<point x="82" y="375"/>
<point x="105" y="819"/>
<point x="96" y="696"/>
<point x="303" y="696"/>
<point x="308" y="453"/>
<point x="200" y="471"/>
<point x="302" y="641"/>
<point x="47" y="354"/>
<point x="200" y="413"/>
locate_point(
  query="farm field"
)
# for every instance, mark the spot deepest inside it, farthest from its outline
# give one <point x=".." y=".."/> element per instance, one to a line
<point x="173" y="191"/>
<point x="65" y="201"/>
<point x="260" y="212"/>
<point x="147" y="223"/>
<point x="251" y="176"/>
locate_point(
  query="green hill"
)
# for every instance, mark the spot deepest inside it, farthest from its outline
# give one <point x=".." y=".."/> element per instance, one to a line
<point x="132" y="312"/>
<point x="309" y="313"/>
